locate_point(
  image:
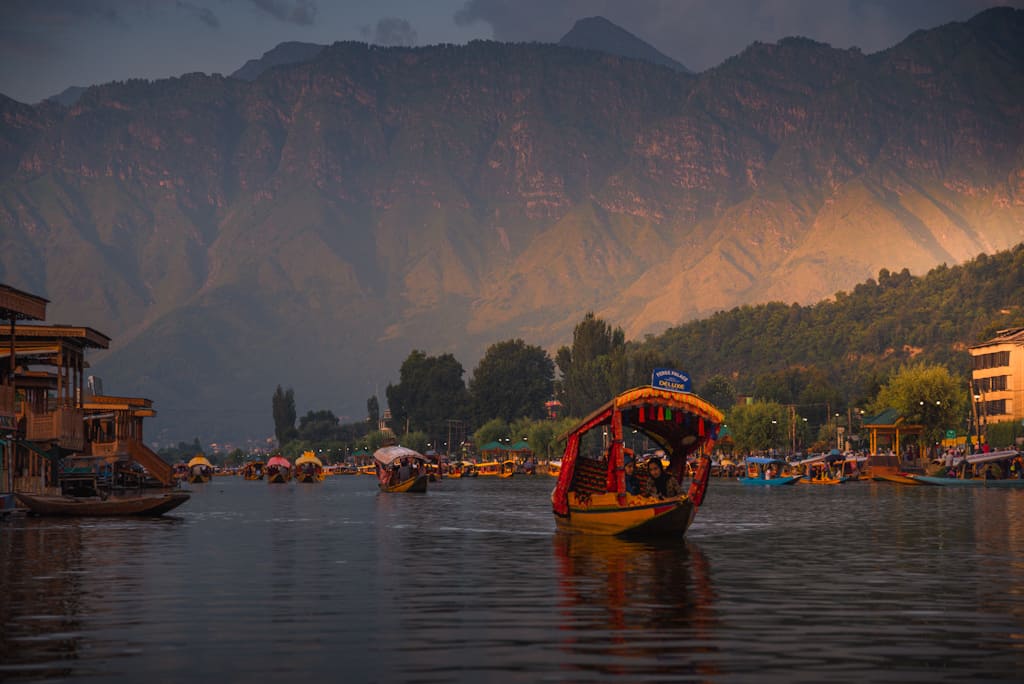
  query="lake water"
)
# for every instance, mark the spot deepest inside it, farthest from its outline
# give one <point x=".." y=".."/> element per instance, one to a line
<point x="469" y="582"/>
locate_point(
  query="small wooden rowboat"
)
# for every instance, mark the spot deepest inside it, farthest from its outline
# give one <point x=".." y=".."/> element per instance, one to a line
<point x="143" y="504"/>
<point x="592" y="495"/>
<point x="389" y="461"/>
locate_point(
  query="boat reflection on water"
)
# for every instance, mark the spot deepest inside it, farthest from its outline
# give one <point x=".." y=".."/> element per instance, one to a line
<point x="646" y="608"/>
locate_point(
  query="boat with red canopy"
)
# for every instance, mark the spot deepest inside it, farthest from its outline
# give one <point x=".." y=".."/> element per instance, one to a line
<point x="592" y="495"/>
<point x="278" y="470"/>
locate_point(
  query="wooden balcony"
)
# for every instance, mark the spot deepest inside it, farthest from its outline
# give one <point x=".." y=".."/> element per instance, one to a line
<point x="62" y="425"/>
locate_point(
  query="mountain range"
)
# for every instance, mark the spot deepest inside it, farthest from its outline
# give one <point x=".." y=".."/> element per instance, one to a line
<point x="313" y="225"/>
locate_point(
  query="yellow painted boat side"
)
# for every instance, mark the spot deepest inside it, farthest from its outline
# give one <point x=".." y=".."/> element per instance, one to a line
<point x="825" y="481"/>
<point x="898" y="479"/>
<point x="602" y="514"/>
<point x="413" y="484"/>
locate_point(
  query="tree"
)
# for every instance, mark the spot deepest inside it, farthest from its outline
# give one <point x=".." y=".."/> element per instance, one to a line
<point x="586" y="367"/>
<point x="283" y="405"/>
<point x="372" y="411"/>
<point x="512" y="380"/>
<point x="927" y="395"/>
<point x="318" y="426"/>
<point x="719" y="391"/>
<point x="430" y="390"/>
<point x="759" y="426"/>
<point x="491" y="431"/>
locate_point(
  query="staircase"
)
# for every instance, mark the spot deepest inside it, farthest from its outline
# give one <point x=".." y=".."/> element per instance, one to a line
<point x="149" y="460"/>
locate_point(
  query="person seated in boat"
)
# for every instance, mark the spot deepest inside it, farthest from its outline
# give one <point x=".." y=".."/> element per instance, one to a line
<point x="659" y="483"/>
<point x="632" y="483"/>
<point x="768" y="472"/>
<point x="404" y="470"/>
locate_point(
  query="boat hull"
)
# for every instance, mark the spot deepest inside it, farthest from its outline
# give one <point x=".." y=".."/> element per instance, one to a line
<point x="278" y="478"/>
<point x="416" y="485"/>
<point x="957" y="482"/>
<point x="774" y="482"/>
<point x="639" y="517"/>
<point x="896" y="478"/>
<point x="148" y="504"/>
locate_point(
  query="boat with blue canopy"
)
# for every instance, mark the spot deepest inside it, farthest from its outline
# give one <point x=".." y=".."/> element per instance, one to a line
<point x="768" y="471"/>
<point x="1003" y="469"/>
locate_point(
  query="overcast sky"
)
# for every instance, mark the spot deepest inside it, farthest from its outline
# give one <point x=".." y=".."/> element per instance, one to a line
<point x="48" y="45"/>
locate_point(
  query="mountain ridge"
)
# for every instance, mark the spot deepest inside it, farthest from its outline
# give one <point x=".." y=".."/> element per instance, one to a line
<point x="311" y="227"/>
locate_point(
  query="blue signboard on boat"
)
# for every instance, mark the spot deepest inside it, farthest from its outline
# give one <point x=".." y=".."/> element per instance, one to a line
<point x="670" y="380"/>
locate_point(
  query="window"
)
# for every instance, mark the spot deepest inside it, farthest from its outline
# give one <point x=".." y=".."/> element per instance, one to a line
<point x="993" y="360"/>
<point x="996" y="407"/>
<point x="996" y="383"/>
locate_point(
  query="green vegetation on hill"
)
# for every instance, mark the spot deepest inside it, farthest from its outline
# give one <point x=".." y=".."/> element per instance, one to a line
<point x="841" y="350"/>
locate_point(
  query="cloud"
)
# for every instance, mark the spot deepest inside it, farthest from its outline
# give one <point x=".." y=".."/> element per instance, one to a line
<point x="203" y="14"/>
<point x="390" y="31"/>
<point x="302" y="12"/>
<point x="58" y="13"/>
<point x="703" y="33"/>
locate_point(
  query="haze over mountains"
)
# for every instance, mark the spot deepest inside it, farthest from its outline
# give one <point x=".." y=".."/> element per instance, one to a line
<point x="312" y="226"/>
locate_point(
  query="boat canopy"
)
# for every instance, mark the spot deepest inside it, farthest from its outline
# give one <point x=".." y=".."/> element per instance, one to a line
<point x="764" y="460"/>
<point x="199" y="461"/>
<point x="279" y="461"/>
<point x="308" y="457"/>
<point x="389" y="454"/>
<point x="812" y="459"/>
<point x="992" y="456"/>
<point x="679" y="422"/>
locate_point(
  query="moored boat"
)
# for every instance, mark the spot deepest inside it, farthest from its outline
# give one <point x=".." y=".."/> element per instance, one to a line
<point x="278" y="470"/>
<point x="309" y="468"/>
<point x="508" y="468"/>
<point x="400" y="469"/>
<point x="488" y="469"/>
<point x="142" y="504"/>
<point x="592" y="495"/>
<point x="767" y="471"/>
<point x="1001" y="469"/>
<point x="886" y="468"/>
<point x="200" y="470"/>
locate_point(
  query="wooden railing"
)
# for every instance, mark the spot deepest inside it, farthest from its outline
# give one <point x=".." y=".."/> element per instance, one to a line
<point x="63" y="425"/>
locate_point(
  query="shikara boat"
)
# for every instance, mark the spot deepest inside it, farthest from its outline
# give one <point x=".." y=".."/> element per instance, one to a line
<point x="591" y="494"/>
<point x="199" y="470"/>
<point x="278" y="470"/>
<point x="767" y="471"/>
<point x="142" y="504"/>
<point x="508" y="469"/>
<point x="488" y="469"/>
<point x="309" y="468"/>
<point x="982" y="470"/>
<point x="392" y="462"/>
<point x="253" y="470"/>
<point x="554" y="468"/>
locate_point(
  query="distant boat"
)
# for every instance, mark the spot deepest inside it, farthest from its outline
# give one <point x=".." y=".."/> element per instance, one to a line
<point x="508" y="469"/>
<point x="253" y="470"/>
<point x="391" y="461"/>
<point x="143" y="504"/>
<point x="768" y="472"/>
<point x="886" y="468"/>
<point x="278" y="470"/>
<point x="200" y="470"/>
<point x="309" y="468"/>
<point x="983" y="470"/>
<point x="592" y="496"/>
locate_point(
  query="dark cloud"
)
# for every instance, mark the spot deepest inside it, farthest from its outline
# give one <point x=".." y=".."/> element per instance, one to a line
<point x="58" y="13"/>
<point x="702" y="33"/>
<point x="302" y="12"/>
<point x="390" y="31"/>
<point x="203" y="14"/>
